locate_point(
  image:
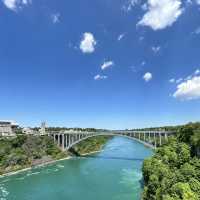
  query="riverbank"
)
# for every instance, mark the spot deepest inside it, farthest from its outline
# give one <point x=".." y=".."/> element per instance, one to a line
<point x="34" y="167"/>
<point x="45" y="164"/>
<point x="87" y="147"/>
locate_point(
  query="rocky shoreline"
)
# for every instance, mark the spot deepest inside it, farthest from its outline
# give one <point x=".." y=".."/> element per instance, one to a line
<point x="43" y="163"/>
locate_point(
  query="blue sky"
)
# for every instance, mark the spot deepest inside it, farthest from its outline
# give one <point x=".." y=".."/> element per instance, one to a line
<point x="100" y="63"/>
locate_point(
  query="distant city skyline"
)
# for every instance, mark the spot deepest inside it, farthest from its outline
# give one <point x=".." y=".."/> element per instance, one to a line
<point x="103" y="64"/>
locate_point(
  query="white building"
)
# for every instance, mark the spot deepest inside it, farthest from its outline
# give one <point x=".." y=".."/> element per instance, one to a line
<point x="7" y="128"/>
<point x="27" y="131"/>
<point x="42" y="130"/>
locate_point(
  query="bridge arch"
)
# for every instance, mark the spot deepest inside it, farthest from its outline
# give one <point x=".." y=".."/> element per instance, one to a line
<point x="66" y="140"/>
<point x="112" y="134"/>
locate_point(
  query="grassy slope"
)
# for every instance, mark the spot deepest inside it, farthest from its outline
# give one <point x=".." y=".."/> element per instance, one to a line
<point x="90" y="145"/>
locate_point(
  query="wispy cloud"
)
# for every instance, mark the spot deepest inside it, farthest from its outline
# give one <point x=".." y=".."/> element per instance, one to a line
<point x="179" y="80"/>
<point x="189" y="77"/>
<point x="107" y="64"/>
<point x="120" y="37"/>
<point x="197" y="31"/>
<point x="130" y="4"/>
<point x="55" y="18"/>
<point x="161" y="13"/>
<point x="172" y="80"/>
<point x="197" y="72"/>
<point x="100" y="77"/>
<point x="156" y="49"/>
<point x="88" y="43"/>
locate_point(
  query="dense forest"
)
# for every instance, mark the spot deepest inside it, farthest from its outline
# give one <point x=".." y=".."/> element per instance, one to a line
<point x="173" y="173"/>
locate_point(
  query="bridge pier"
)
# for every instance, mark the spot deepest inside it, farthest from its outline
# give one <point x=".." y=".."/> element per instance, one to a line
<point x="63" y="142"/>
<point x="149" y="137"/>
<point x="58" y="139"/>
<point x="166" y="137"/>
<point x="160" y="138"/>
<point x="154" y="135"/>
<point x="54" y="138"/>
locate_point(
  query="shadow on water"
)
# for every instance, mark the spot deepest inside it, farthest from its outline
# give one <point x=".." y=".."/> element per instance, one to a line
<point x="111" y="158"/>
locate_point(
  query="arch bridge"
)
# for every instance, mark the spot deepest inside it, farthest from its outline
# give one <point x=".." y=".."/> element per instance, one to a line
<point x="66" y="139"/>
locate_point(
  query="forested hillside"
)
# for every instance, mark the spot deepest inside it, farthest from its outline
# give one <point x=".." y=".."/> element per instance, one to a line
<point x="25" y="151"/>
<point x="173" y="173"/>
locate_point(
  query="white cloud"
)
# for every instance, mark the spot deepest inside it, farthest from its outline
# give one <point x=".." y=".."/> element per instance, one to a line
<point x="14" y="5"/>
<point x="100" y="77"/>
<point x="198" y="2"/>
<point x="197" y="72"/>
<point x="156" y="49"/>
<point x="147" y="76"/>
<point x="179" y="80"/>
<point x="120" y="37"/>
<point x="189" y="89"/>
<point x="197" y="31"/>
<point x="188" y="77"/>
<point x="130" y="4"/>
<point x="161" y="13"/>
<point x="88" y="43"/>
<point x="172" y="80"/>
<point x="141" y="38"/>
<point x="55" y="18"/>
<point x="107" y="64"/>
<point x="144" y="6"/>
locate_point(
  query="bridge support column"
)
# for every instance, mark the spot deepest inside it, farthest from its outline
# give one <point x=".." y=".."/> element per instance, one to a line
<point x="139" y="136"/>
<point x="54" y="138"/>
<point x="144" y="136"/>
<point x="58" y="140"/>
<point x="63" y="142"/>
<point x="154" y="135"/>
<point x="66" y="145"/>
<point x="68" y="139"/>
<point x="166" y="137"/>
<point x="149" y="137"/>
<point x="160" y="138"/>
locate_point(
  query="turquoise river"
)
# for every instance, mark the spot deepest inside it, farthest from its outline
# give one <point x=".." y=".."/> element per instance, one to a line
<point x="113" y="174"/>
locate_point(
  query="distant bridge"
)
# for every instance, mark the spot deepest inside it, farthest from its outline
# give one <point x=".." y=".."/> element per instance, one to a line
<point x="66" y="139"/>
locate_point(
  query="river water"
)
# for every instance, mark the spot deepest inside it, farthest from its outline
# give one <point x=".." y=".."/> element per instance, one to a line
<point x="113" y="174"/>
